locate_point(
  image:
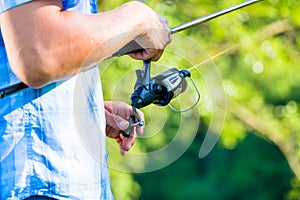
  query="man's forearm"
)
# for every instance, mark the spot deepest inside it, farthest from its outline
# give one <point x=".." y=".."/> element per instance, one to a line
<point x="49" y="44"/>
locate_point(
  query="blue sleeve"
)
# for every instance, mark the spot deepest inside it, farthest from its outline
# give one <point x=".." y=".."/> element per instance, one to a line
<point x="8" y="4"/>
<point x="69" y="4"/>
<point x="66" y="4"/>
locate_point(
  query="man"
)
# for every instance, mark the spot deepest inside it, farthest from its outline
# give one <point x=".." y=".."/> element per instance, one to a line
<point x="52" y="138"/>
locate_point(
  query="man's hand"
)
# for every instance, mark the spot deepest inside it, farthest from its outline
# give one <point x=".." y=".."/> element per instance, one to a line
<point x="154" y="31"/>
<point x="117" y="115"/>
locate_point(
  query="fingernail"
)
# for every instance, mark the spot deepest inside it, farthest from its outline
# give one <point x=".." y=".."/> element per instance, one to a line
<point x="123" y="125"/>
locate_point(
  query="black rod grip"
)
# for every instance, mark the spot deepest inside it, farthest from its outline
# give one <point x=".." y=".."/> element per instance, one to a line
<point x="12" y="89"/>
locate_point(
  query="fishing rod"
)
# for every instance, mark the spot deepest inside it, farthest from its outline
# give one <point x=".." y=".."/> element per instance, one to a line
<point x="146" y="68"/>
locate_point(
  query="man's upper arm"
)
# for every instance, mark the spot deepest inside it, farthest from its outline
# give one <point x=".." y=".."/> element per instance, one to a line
<point x="24" y="30"/>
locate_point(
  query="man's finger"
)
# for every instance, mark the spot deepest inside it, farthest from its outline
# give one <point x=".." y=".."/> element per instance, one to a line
<point x="128" y="142"/>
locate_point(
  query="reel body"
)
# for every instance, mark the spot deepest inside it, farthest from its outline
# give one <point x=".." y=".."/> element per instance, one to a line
<point x="159" y="90"/>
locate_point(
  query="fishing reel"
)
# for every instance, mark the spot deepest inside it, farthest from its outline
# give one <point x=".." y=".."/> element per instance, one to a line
<point x="158" y="90"/>
<point x="161" y="89"/>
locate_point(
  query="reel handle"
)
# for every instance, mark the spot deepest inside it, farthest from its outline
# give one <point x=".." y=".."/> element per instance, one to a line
<point x="133" y="123"/>
<point x="126" y="133"/>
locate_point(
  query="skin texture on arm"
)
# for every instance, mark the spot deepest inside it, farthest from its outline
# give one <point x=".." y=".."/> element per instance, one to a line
<point x="45" y="44"/>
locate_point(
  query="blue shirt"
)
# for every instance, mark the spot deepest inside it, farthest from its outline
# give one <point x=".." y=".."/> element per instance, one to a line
<point x="52" y="140"/>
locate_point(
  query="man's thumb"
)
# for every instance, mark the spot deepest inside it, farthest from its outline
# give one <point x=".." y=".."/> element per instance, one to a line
<point x="115" y="121"/>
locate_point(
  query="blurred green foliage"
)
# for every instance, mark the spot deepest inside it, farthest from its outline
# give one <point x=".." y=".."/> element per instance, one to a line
<point x="258" y="152"/>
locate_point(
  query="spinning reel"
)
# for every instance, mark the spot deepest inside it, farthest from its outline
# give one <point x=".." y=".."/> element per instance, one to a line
<point x="159" y="90"/>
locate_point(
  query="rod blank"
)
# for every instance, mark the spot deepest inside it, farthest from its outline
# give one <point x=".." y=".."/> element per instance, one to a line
<point x="211" y="16"/>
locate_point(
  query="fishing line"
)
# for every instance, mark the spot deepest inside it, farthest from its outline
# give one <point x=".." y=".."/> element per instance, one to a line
<point x="213" y="57"/>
